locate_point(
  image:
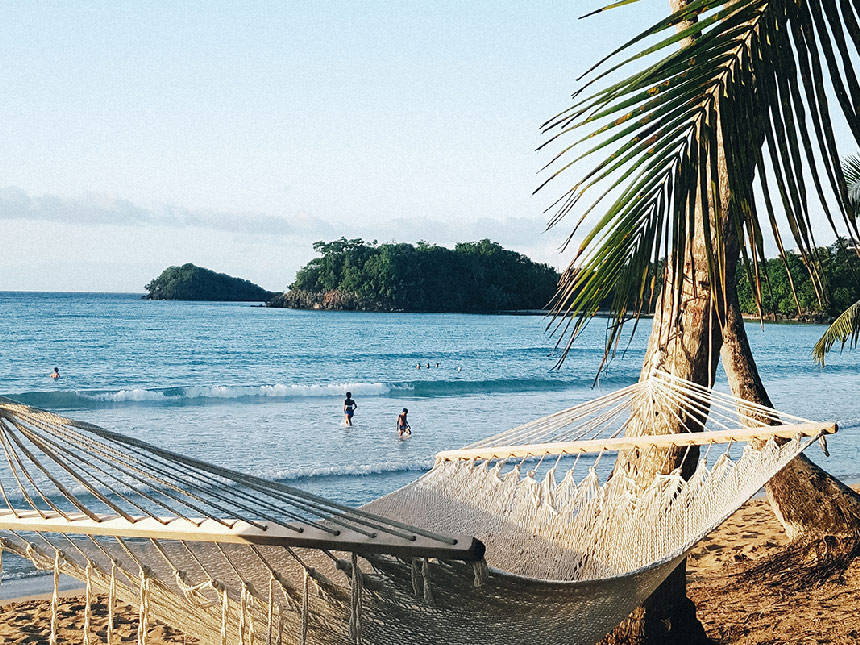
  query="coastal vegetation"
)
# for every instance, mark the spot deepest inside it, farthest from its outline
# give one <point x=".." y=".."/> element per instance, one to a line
<point x="789" y="290"/>
<point x="714" y="133"/>
<point x="472" y="277"/>
<point x="190" y="282"/>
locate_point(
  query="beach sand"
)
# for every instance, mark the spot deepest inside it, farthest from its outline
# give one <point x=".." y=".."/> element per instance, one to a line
<point x="732" y="611"/>
<point x="755" y="613"/>
<point x="29" y="621"/>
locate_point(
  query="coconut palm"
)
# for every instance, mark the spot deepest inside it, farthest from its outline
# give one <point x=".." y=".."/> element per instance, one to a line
<point x="749" y="86"/>
<point x="846" y="328"/>
<point x="717" y="136"/>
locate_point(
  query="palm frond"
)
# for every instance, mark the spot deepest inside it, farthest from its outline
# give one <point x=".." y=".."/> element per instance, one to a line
<point x="845" y="329"/>
<point x="851" y="169"/>
<point x="751" y="83"/>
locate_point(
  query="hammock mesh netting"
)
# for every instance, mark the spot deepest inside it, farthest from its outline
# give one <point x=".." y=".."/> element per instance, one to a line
<point x="534" y="535"/>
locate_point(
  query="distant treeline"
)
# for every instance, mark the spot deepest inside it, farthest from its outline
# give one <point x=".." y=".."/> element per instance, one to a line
<point x="471" y="277"/>
<point x="190" y="282"/>
<point x="840" y="278"/>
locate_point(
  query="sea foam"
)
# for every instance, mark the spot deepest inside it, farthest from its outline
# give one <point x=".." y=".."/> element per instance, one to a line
<point x="136" y="394"/>
<point x="278" y="390"/>
<point x="350" y="470"/>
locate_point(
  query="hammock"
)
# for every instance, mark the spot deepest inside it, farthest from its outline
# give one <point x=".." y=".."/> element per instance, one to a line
<point x="527" y="536"/>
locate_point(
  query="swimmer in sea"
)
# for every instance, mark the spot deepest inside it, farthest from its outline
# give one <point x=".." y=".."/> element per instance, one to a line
<point x="55" y="373"/>
<point x="403" y="427"/>
<point x="349" y="407"/>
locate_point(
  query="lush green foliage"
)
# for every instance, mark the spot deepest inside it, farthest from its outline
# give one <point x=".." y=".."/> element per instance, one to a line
<point x="190" y="282"/>
<point x="840" y="276"/>
<point x="474" y="276"/>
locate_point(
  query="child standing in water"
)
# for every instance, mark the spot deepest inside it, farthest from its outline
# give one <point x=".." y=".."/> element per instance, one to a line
<point x="349" y="407"/>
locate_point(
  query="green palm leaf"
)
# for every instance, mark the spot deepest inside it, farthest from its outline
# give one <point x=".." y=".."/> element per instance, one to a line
<point x="845" y="329"/>
<point x="752" y="83"/>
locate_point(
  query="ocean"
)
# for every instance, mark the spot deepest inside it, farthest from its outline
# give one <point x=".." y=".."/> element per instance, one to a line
<point x="261" y="390"/>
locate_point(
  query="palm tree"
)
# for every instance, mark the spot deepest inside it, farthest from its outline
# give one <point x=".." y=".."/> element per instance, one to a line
<point x="717" y="104"/>
<point x="846" y="328"/>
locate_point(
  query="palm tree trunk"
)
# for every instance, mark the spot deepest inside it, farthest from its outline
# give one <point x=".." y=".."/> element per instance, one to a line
<point x="806" y="499"/>
<point x="685" y="341"/>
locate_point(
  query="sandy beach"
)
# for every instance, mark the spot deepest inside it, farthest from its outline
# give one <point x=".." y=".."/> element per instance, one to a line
<point x="28" y="620"/>
<point x="733" y="610"/>
<point x="755" y="613"/>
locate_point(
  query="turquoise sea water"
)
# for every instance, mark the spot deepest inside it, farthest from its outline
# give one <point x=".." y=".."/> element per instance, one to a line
<point x="260" y="390"/>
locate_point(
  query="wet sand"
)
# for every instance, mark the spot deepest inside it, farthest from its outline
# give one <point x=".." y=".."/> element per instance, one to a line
<point x="732" y="612"/>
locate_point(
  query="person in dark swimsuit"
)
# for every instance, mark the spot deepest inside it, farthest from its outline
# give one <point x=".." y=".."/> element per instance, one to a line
<point x="349" y="407"/>
<point x="55" y="373"/>
<point x="403" y="427"/>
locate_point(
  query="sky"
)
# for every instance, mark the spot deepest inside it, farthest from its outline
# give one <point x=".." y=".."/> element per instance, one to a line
<point x="135" y="136"/>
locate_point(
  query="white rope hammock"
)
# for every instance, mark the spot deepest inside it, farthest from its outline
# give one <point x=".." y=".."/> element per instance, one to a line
<point x="572" y="544"/>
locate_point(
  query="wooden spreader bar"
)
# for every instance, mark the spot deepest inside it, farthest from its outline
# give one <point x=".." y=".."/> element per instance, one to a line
<point x="645" y="441"/>
<point x="465" y="548"/>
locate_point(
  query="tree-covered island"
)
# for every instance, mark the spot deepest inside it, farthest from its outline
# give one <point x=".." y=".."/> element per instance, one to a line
<point x="471" y="277"/>
<point x="190" y="282"/>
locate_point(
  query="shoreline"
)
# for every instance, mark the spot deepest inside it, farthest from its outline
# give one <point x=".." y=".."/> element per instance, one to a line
<point x="75" y="592"/>
<point x="138" y="296"/>
<point x="771" y="320"/>
<point x="38" y="586"/>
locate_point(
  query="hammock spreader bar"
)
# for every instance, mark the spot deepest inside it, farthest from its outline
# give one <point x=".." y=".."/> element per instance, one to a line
<point x="617" y="444"/>
<point x="465" y="548"/>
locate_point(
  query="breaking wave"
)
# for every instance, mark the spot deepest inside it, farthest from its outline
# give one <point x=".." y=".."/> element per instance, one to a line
<point x="345" y="470"/>
<point x="201" y="394"/>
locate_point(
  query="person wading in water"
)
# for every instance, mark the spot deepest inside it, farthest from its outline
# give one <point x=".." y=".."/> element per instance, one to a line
<point x="349" y="407"/>
<point x="403" y="428"/>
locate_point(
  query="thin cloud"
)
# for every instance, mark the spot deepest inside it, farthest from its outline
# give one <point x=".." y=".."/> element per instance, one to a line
<point x="98" y="210"/>
<point x="519" y="233"/>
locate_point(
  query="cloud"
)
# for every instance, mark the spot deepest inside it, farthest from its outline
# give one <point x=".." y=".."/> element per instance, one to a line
<point x="94" y="209"/>
<point x="522" y="234"/>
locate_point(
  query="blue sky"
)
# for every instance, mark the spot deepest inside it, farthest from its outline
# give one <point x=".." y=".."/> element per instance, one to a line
<point x="233" y="135"/>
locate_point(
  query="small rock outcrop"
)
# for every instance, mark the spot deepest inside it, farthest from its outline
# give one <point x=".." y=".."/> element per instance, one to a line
<point x="335" y="299"/>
